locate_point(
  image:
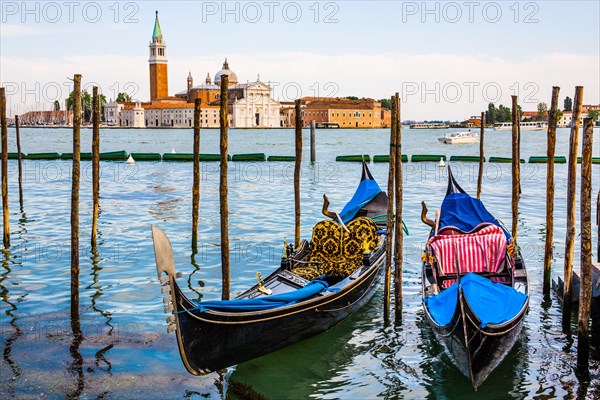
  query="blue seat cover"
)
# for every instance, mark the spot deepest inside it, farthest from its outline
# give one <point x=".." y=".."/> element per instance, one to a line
<point x="264" y="302"/>
<point x="492" y="302"/>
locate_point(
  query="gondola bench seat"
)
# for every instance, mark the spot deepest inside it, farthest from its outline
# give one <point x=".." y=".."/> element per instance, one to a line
<point x="337" y="253"/>
<point x="481" y="250"/>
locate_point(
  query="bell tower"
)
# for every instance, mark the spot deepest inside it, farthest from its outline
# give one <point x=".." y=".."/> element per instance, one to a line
<point x="159" y="84"/>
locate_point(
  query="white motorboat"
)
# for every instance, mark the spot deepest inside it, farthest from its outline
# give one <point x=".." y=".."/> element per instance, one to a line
<point x="460" y="138"/>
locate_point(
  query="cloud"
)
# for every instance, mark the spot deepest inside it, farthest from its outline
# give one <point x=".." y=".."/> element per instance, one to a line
<point x="11" y="31"/>
<point x="438" y="85"/>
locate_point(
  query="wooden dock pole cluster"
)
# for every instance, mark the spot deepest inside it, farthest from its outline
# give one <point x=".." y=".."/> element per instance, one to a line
<point x="571" y="203"/>
<point x="19" y="160"/>
<point x="550" y="148"/>
<point x="481" y="155"/>
<point x="297" y="170"/>
<point x="224" y="207"/>
<point x="75" y="196"/>
<point x="585" y="286"/>
<point x="4" y="138"/>
<point x="398" y="232"/>
<point x="95" y="165"/>
<point x="516" y="170"/>
<point x="196" y="182"/>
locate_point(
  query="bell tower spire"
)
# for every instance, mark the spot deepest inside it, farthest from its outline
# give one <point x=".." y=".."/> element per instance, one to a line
<point x="159" y="85"/>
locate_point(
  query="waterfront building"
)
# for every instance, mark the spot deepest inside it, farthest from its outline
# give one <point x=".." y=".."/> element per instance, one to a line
<point x="339" y="113"/>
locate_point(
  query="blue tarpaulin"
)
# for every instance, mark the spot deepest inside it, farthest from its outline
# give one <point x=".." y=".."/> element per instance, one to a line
<point x="264" y="302"/>
<point x="492" y="302"/>
<point x="465" y="213"/>
<point x="366" y="191"/>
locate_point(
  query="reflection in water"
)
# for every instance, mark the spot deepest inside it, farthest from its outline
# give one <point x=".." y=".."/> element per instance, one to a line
<point x="96" y="268"/>
<point x="10" y="312"/>
<point x="77" y="365"/>
<point x="200" y="283"/>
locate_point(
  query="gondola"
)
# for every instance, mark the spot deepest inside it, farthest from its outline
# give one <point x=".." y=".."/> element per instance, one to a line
<point x="474" y="284"/>
<point x="317" y="285"/>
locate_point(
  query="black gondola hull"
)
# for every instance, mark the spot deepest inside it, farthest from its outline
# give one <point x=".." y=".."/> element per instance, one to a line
<point x="210" y="341"/>
<point x="476" y="351"/>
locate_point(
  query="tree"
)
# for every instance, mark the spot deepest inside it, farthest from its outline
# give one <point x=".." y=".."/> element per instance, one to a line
<point x="490" y="116"/>
<point x="86" y="104"/>
<point x="386" y="103"/>
<point x="123" y="97"/>
<point x="542" y="109"/>
<point x="56" y="106"/>
<point x="594" y="114"/>
<point x="352" y="97"/>
<point x="568" y="104"/>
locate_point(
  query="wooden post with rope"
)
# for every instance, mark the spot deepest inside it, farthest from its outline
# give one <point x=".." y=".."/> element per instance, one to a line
<point x="4" y="138"/>
<point x="571" y="204"/>
<point x="95" y="164"/>
<point x="19" y="160"/>
<point x="75" y="195"/>
<point x="196" y="180"/>
<point x="390" y="217"/>
<point x="398" y="232"/>
<point x="516" y="171"/>
<point x="297" y="169"/>
<point x="550" y="148"/>
<point x="585" y="286"/>
<point x="224" y="207"/>
<point x="481" y="155"/>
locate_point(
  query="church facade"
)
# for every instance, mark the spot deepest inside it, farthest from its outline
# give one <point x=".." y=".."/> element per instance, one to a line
<point x="250" y="105"/>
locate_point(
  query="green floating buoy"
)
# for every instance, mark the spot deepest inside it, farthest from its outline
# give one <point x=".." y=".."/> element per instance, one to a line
<point x="114" y="156"/>
<point x="249" y="157"/>
<point x="15" y="156"/>
<point x="595" y="160"/>
<point x="544" y="160"/>
<point x="190" y="157"/>
<point x="42" y="156"/>
<point x="212" y="157"/>
<point x="505" y="160"/>
<point x="427" y="157"/>
<point x="281" y="158"/>
<point x="354" y="158"/>
<point x="146" y="156"/>
<point x="385" y="158"/>
<point x="466" y="158"/>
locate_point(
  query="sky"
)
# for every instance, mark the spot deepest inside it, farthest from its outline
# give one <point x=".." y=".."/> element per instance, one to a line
<point x="447" y="60"/>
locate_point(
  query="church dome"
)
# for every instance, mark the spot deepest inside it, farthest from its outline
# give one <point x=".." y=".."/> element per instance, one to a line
<point x="226" y="71"/>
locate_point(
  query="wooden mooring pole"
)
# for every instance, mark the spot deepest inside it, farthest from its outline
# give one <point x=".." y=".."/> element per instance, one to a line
<point x="19" y="160"/>
<point x="224" y="207"/>
<point x="95" y="165"/>
<point x="75" y="196"/>
<point x="571" y="203"/>
<point x="4" y="138"/>
<point x="585" y="286"/>
<point x="398" y="232"/>
<point x="313" y="148"/>
<point x="516" y="170"/>
<point x="550" y="150"/>
<point x="481" y="155"/>
<point x="297" y="169"/>
<point x="390" y="217"/>
<point x="196" y="181"/>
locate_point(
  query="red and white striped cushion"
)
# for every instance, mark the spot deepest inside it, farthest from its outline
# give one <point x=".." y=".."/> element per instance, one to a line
<point x="482" y="250"/>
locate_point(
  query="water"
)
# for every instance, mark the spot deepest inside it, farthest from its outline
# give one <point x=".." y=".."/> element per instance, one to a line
<point x="125" y="351"/>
